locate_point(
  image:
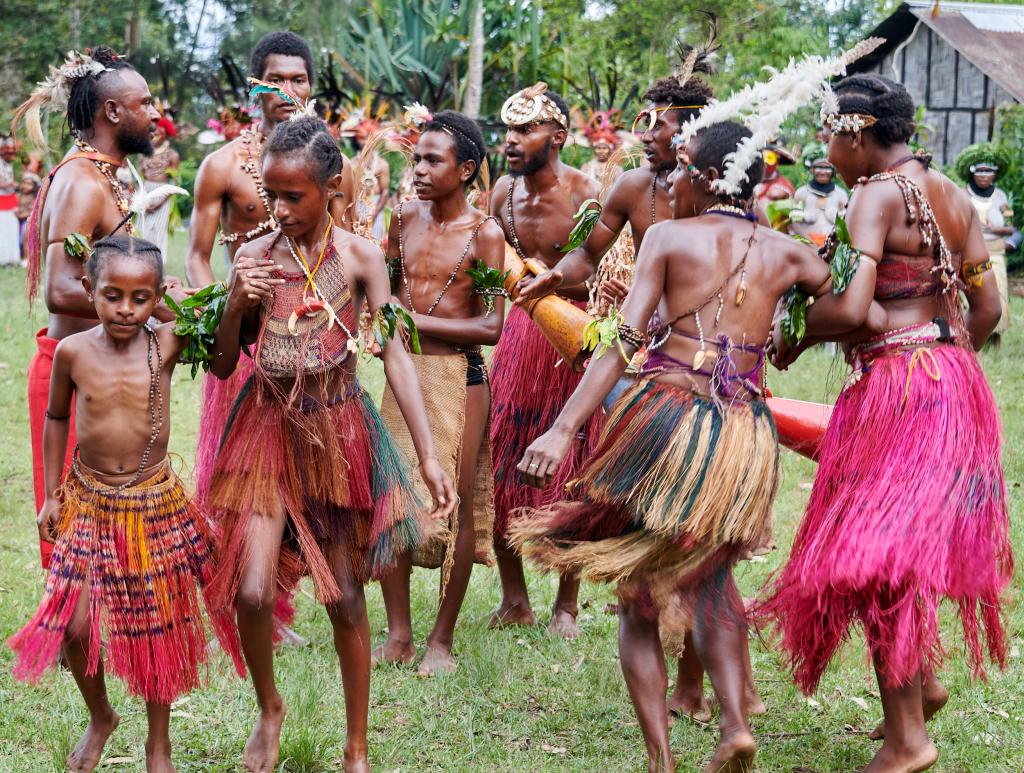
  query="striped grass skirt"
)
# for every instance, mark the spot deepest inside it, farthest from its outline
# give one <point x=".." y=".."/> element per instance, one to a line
<point x="144" y="558"/>
<point x="676" y="489"/>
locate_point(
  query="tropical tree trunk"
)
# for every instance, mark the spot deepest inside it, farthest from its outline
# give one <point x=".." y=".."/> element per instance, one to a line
<point x="475" y="75"/>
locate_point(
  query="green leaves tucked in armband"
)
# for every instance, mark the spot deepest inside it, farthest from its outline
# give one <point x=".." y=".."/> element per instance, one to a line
<point x="603" y="333"/>
<point x="845" y="258"/>
<point x="586" y="218"/>
<point x="488" y="282"/>
<point x="389" y="319"/>
<point x="793" y="322"/>
<point x="77" y="246"/>
<point x="196" y="318"/>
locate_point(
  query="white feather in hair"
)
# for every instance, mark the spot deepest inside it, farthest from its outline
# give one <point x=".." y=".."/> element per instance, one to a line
<point x="52" y="94"/>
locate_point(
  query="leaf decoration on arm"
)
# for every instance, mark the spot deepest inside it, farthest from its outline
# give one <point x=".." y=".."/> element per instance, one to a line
<point x="602" y="334"/>
<point x="845" y="257"/>
<point x="586" y="218"/>
<point x="488" y="282"/>
<point x="197" y="318"/>
<point x="793" y="322"/>
<point x="77" y="246"/>
<point x="389" y="319"/>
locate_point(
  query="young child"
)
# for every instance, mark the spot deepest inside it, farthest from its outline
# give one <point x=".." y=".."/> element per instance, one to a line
<point x="433" y="240"/>
<point x="130" y="550"/>
<point x="308" y="479"/>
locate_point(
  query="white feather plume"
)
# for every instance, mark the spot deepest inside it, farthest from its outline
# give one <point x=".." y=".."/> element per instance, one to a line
<point x="763" y="107"/>
<point x="143" y="200"/>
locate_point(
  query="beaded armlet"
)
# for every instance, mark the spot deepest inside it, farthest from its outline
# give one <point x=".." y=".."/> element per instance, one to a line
<point x="586" y="218"/>
<point x="488" y="282"/>
<point x="971" y="272"/>
<point x="603" y="333"/>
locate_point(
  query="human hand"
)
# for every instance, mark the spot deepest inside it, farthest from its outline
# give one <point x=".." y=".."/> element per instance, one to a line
<point x="440" y="486"/>
<point x="48" y="518"/>
<point x="779" y="353"/>
<point x="613" y="292"/>
<point x="544" y="456"/>
<point x="177" y="290"/>
<point x="252" y="283"/>
<point x="532" y="288"/>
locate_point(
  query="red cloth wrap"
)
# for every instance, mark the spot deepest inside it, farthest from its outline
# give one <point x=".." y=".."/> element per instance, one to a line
<point x="39" y="369"/>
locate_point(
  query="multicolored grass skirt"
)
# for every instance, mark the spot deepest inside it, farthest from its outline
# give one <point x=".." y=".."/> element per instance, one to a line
<point x="675" y="491"/>
<point x="908" y="507"/>
<point x="530" y="385"/>
<point x="142" y="555"/>
<point x="333" y="469"/>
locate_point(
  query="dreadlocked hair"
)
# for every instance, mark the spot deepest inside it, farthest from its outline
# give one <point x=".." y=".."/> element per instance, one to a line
<point x="88" y="92"/>
<point x="283" y="44"/>
<point x="469" y="140"/>
<point x="123" y="246"/>
<point x="668" y="91"/>
<point x="309" y="135"/>
<point x="710" y="146"/>
<point x="882" y="98"/>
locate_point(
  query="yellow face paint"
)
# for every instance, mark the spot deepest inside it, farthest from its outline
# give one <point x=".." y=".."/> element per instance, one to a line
<point x="771" y="158"/>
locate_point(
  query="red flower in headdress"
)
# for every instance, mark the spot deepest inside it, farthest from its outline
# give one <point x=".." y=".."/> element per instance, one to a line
<point x="168" y="126"/>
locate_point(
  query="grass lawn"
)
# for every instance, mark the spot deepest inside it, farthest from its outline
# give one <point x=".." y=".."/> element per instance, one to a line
<point x="520" y="700"/>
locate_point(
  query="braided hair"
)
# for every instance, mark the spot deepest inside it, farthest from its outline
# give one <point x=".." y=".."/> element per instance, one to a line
<point x="711" y="145"/>
<point x="668" y="91"/>
<point x="88" y="92"/>
<point x="123" y="245"/>
<point x="882" y="98"/>
<point x="469" y="140"/>
<point x="309" y="135"/>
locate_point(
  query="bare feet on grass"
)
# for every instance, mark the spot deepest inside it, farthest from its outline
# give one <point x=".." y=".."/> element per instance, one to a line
<point x="393" y="652"/>
<point x="735" y="754"/>
<point x="511" y="614"/>
<point x="436" y="660"/>
<point x="563" y="623"/>
<point x="86" y="754"/>
<point x="690" y="704"/>
<point x="158" y="758"/>
<point x="903" y="759"/>
<point x="755" y="706"/>
<point x="665" y="763"/>
<point x="264" y="744"/>
<point x="356" y="760"/>
<point x="933" y="698"/>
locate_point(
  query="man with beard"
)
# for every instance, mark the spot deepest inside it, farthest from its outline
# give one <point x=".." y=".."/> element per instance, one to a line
<point x="229" y="195"/>
<point x="110" y="114"/>
<point x="534" y="204"/>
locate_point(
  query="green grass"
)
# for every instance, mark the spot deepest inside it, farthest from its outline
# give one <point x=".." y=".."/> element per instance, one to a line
<point x="520" y="700"/>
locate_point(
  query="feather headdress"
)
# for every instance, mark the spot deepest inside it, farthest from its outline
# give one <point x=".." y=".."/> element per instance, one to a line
<point x="698" y="59"/>
<point x="763" y="107"/>
<point x="52" y="94"/>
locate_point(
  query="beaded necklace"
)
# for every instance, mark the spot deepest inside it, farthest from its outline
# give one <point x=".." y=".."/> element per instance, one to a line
<point x="251" y="166"/>
<point x="156" y="414"/>
<point x="451" y="278"/>
<point x="118" y="188"/>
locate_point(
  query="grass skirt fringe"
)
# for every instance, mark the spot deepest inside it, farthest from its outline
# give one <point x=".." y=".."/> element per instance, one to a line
<point x="675" y="490"/>
<point x="333" y="469"/>
<point x="908" y="507"/>
<point x="141" y="555"/>
<point x="218" y="398"/>
<point x="530" y="385"/>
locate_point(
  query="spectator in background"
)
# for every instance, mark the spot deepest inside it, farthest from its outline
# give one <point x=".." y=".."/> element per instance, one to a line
<point x="819" y="201"/>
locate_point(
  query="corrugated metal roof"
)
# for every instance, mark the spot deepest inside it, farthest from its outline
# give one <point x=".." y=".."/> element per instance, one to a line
<point x="991" y="37"/>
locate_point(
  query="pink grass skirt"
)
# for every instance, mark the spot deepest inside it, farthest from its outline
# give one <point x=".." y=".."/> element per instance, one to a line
<point x="530" y="385"/>
<point x="908" y="507"/>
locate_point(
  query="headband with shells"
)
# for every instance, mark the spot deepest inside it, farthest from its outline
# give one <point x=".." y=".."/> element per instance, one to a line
<point x="848" y="123"/>
<point x="532" y="105"/>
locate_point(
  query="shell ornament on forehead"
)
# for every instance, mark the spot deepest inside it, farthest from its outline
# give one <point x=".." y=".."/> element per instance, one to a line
<point x="532" y="105"/>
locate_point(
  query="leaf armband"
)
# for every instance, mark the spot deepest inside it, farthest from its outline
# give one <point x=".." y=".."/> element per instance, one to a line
<point x="603" y="333"/>
<point x="793" y="322"/>
<point x="586" y="218"/>
<point x="196" y="319"/>
<point x="77" y="246"/>
<point x="488" y="282"/>
<point x="389" y="319"/>
<point x="843" y="258"/>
